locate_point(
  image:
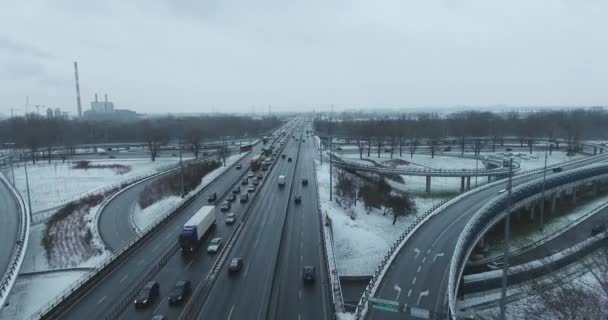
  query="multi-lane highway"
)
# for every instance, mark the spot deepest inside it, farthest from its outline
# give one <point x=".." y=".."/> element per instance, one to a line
<point x="421" y="268"/>
<point x="302" y="245"/>
<point x="246" y="295"/>
<point x="115" y="287"/>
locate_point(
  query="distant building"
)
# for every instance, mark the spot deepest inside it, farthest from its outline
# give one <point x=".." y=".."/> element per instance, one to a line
<point x="104" y="111"/>
<point x="57" y="113"/>
<point x="49" y="113"/>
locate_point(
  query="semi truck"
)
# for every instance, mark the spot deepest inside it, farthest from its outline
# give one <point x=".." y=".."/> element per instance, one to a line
<point x="195" y="229"/>
<point x="256" y="162"/>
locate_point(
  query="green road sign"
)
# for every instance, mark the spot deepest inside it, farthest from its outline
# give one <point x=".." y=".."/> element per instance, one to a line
<point x="386" y="305"/>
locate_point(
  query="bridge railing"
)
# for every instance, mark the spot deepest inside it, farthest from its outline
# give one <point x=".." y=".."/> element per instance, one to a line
<point x="325" y="223"/>
<point x="9" y="277"/>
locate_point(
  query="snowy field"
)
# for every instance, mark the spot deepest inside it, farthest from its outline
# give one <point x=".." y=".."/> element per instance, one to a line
<point x="30" y="293"/>
<point x="57" y="183"/>
<point x="360" y="244"/>
<point x="143" y="218"/>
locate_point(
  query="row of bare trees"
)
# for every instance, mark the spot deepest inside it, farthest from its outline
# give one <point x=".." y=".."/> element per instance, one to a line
<point x="474" y="127"/>
<point x="41" y="135"/>
<point x="375" y="192"/>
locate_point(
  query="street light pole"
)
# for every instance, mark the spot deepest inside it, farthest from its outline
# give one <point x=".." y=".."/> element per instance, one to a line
<point x="505" y="259"/>
<point x="181" y="166"/>
<point x="27" y="185"/>
<point x="12" y="170"/>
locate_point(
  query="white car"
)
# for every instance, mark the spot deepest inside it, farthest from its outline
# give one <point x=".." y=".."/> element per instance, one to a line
<point x="214" y="245"/>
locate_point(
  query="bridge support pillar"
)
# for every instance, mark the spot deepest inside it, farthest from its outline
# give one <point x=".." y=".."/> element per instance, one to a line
<point x="532" y="211"/>
<point x="594" y="150"/>
<point x="428" y="184"/>
<point x="574" y="195"/>
<point x="461" y="184"/>
<point x="553" y="202"/>
<point x="468" y="183"/>
<point x="601" y="150"/>
<point x="489" y="178"/>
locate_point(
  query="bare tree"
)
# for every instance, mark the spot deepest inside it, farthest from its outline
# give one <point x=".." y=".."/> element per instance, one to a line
<point x="193" y="138"/>
<point x="155" y="138"/>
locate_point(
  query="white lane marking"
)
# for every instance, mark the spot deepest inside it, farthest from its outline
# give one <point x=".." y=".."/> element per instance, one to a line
<point x="396" y="287"/>
<point x="188" y="266"/>
<point x="428" y="251"/>
<point x="159" y="305"/>
<point x="409" y="293"/>
<point x="417" y="252"/>
<point x="414" y="281"/>
<point x="245" y="273"/>
<point x="422" y="294"/>
<point x="101" y="300"/>
<point x="299" y="316"/>
<point x="423" y="259"/>
<point x="437" y="256"/>
<point x="300" y="295"/>
<point x="230" y="314"/>
<point x="124" y="278"/>
<point x="155" y="247"/>
<point x="419" y="267"/>
<point x="141" y="262"/>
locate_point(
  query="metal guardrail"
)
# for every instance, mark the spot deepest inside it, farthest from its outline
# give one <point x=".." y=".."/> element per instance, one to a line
<point x="335" y="287"/>
<point x="493" y="211"/>
<point x="378" y="274"/>
<point x="9" y="277"/>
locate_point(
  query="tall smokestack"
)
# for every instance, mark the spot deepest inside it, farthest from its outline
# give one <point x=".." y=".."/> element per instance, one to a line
<point x="96" y="97"/>
<point x="105" y="103"/>
<point x="78" y="105"/>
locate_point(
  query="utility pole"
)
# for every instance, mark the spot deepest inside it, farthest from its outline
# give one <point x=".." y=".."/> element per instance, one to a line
<point x="224" y="150"/>
<point x="12" y="170"/>
<point x="181" y="166"/>
<point x="505" y="259"/>
<point x="331" y="149"/>
<point x="27" y="185"/>
<point x="542" y="198"/>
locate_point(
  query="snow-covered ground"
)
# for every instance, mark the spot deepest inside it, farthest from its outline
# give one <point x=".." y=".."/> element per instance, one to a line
<point x="360" y="244"/>
<point x="553" y="225"/>
<point x="143" y="218"/>
<point x="57" y="183"/>
<point x="30" y="293"/>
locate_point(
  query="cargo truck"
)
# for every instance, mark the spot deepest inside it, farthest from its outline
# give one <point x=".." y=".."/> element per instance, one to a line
<point x="195" y="229"/>
<point x="256" y="162"/>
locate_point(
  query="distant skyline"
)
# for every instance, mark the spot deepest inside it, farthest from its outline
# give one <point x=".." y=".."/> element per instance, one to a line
<point x="160" y="56"/>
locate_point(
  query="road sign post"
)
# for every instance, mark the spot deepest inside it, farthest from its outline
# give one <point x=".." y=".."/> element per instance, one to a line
<point x="383" y="304"/>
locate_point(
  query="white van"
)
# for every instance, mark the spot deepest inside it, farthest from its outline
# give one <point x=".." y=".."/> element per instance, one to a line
<point x="281" y="180"/>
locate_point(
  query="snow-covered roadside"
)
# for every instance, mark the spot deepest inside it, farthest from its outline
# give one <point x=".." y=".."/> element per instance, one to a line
<point x="30" y="293"/>
<point x="141" y="219"/>
<point x="57" y="183"/>
<point x="360" y="244"/>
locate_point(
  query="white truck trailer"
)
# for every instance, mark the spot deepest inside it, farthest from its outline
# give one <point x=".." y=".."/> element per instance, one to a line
<point x="195" y="228"/>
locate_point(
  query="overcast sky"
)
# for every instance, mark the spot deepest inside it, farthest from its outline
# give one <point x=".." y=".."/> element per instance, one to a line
<point x="195" y="55"/>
